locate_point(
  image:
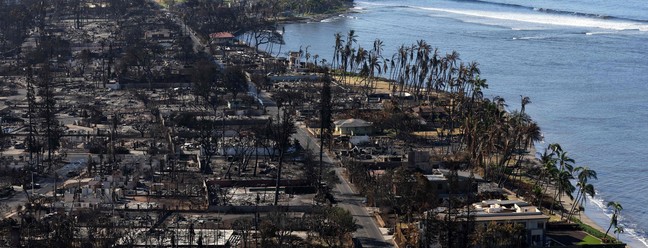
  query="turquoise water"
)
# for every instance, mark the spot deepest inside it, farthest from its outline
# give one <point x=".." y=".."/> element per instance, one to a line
<point x="584" y="64"/>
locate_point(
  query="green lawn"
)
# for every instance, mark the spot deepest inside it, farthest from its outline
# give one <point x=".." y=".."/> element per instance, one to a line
<point x="590" y="240"/>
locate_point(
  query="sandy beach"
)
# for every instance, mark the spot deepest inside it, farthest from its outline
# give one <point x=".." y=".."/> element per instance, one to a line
<point x="568" y="203"/>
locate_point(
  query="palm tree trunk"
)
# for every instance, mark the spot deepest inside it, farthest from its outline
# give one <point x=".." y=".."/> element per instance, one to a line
<point x="607" y="231"/>
<point x="574" y="204"/>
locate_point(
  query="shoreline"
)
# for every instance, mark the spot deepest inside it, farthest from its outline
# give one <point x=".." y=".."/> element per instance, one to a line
<point x="587" y="217"/>
<point x="314" y="18"/>
<point x="592" y="212"/>
<point x="567" y="202"/>
<point x="383" y="86"/>
<point x="532" y="160"/>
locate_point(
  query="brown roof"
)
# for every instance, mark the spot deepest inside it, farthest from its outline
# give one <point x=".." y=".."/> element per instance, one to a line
<point x="221" y="35"/>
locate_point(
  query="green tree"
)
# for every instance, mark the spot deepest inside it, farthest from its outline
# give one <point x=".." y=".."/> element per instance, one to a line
<point x="614" y="221"/>
<point x="584" y="188"/>
<point x="334" y="225"/>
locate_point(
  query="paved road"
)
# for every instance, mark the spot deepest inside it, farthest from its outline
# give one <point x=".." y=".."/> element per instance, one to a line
<point x="76" y="163"/>
<point x="20" y="198"/>
<point x="198" y="46"/>
<point x="368" y="233"/>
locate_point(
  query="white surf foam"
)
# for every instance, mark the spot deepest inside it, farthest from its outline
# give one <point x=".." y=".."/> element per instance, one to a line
<point x="524" y="29"/>
<point x="531" y="38"/>
<point x="598" y="33"/>
<point x="629" y="229"/>
<point x="371" y="3"/>
<point x="544" y="19"/>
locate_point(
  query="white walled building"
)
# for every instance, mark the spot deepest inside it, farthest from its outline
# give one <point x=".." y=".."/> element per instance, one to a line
<point x="513" y="211"/>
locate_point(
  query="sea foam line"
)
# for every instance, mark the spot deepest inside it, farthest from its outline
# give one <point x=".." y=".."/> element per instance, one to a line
<point x="543" y="18"/>
<point x="629" y="228"/>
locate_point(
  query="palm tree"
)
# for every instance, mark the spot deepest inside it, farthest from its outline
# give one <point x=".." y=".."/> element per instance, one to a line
<point x="565" y="168"/>
<point x="525" y="100"/>
<point x="564" y="187"/>
<point x="451" y="60"/>
<point x="584" y="188"/>
<point x="478" y="84"/>
<point x="585" y="173"/>
<point x="473" y="71"/>
<point x="315" y="57"/>
<point x="348" y="52"/>
<point x="359" y="59"/>
<point x="337" y="50"/>
<point x="374" y="68"/>
<point x="378" y="47"/>
<point x="530" y="133"/>
<point x="616" y="207"/>
<point x="555" y="147"/>
<point x="548" y="161"/>
<point x="565" y="162"/>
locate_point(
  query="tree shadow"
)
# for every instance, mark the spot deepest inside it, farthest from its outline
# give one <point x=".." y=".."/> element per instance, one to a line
<point x="370" y="242"/>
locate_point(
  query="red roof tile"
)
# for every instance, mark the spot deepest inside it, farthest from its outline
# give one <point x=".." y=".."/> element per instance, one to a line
<point x="221" y="35"/>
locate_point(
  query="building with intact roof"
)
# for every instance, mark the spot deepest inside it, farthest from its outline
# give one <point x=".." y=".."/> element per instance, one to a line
<point x="513" y="211"/>
<point x="221" y="38"/>
<point x="353" y="127"/>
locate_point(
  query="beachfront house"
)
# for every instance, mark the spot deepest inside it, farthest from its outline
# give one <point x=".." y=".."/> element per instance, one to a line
<point x="501" y="212"/>
<point x="515" y="211"/>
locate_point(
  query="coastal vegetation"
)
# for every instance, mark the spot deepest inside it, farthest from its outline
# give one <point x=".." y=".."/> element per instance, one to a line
<point x="256" y="18"/>
<point x="474" y="133"/>
<point x="468" y="133"/>
<point x="614" y="221"/>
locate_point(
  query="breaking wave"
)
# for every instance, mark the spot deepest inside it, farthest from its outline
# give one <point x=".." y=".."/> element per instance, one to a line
<point x="555" y="11"/>
<point x="544" y="19"/>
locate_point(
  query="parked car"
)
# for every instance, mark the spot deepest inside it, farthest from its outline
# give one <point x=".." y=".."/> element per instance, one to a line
<point x="29" y="186"/>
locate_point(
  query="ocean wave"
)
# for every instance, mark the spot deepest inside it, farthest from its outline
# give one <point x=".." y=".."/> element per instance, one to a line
<point x="543" y="18"/>
<point x="525" y="7"/>
<point x="330" y="19"/>
<point x="555" y="11"/>
<point x="531" y="38"/>
<point x="633" y="231"/>
<point x="524" y="29"/>
<point x="599" y="33"/>
<point x="381" y="5"/>
<point x="630" y="228"/>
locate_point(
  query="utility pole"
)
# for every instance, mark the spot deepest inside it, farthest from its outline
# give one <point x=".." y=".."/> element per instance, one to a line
<point x="325" y="122"/>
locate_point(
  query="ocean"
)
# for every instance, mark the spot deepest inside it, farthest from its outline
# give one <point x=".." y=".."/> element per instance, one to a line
<point x="583" y="63"/>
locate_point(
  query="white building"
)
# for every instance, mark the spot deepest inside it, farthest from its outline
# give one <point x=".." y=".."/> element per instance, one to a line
<point x="513" y="211"/>
<point x="353" y="127"/>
